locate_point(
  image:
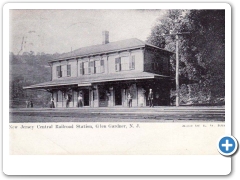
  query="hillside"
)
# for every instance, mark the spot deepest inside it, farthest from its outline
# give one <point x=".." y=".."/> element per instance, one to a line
<point x="26" y="70"/>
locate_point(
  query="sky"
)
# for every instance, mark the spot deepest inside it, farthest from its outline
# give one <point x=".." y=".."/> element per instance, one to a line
<point x="59" y="31"/>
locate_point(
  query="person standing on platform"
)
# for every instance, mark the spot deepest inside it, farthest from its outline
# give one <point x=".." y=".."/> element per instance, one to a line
<point x="67" y="101"/>
<point x="150" y="98"/>
<point x="27" y="104"/>
<point x="52" y="103"/>
<point x="80" y="102"/>
<point x="31" y="104"/>
<point x="129" y="100"/>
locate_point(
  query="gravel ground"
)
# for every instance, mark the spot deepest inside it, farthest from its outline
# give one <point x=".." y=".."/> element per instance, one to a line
<point x="163" y="114"/>
<point x="30" y="119"/>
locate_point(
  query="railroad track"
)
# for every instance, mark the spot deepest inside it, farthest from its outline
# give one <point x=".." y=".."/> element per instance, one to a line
<point x="118" y="114"/>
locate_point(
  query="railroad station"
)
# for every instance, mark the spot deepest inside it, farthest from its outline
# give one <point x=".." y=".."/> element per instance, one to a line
<point x="105" y="74"/>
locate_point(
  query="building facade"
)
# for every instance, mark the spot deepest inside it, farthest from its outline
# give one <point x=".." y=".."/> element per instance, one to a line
<point x="106" y="74"/>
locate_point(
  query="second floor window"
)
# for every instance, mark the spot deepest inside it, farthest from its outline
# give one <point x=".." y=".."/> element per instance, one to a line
<point x="92" y="67"/>
<point x="69" y="70"/>
<point x="86" y="69"/>
<point x="99" y="66"/>
<point x="132" y="62"/>
<point x="118" y="64"/>
<point x="124" y="63"/>
<point x="59" y="71"/>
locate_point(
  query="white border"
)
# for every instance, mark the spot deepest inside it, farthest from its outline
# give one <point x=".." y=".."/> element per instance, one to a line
<point x="114" y="165"/>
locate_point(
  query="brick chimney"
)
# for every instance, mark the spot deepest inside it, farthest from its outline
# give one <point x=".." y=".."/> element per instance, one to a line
<point x="105" y="37"/>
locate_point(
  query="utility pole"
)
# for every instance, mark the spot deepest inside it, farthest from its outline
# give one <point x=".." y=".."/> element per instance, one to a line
<point x="177" y="64"/>
<point x="177" y="74"/>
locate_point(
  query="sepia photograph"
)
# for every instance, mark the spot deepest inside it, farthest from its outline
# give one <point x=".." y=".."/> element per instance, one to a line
<point x="102" y="88"/>
<point x="116" y="81"/>
<point x="123" y="65"/>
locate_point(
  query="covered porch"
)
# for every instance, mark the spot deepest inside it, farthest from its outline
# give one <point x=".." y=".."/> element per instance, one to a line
<point x="108" y="90"/>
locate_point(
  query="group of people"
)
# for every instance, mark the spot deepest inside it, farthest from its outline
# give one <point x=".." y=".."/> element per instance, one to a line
<point x="150" y="98"/>
<point x="80" y="100"/>
<point x="79" y="104"/>
<point x="29" y="104"/>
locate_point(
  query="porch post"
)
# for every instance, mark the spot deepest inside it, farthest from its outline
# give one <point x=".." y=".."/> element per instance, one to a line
<point x="111" y="97"/>
<point x="96" y="96"/>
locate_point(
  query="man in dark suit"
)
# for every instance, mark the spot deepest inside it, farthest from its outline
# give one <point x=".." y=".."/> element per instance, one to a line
<point x="150" y="98"/>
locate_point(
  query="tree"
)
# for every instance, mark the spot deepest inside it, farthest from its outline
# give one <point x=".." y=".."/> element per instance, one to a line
<point x="201" y="54"/>
<point x="27" y="70"/>
<point x="209" y="39"/>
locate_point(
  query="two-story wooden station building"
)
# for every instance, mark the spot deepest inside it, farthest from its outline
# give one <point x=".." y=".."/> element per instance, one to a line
<point x="105" y="74"/>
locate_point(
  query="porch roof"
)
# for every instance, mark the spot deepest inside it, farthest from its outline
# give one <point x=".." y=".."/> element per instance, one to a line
<point x="87" y="80"/>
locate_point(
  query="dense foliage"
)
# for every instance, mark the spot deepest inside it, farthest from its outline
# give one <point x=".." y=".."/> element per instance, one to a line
<point x="28" y="69"/>
<point x="201" y="53"/>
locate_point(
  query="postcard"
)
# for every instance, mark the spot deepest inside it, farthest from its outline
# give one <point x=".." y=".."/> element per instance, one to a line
<point x="117" y="89"/>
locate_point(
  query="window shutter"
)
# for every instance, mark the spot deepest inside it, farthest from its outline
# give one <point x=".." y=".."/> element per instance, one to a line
<point x="130" y="63"/>
<point x="116" y="60"/>
<point x="116" y="64"/>
<point x="102" y="66"/>
<point x="69" y="70"/>
<point x="60" y="67"/>
<point x="89" y="67"/>
<point x="94" y="67"/>
<point x="91" y="63"/>
<point x="133" y="62"/>
<point x="120" y="67"/>
<point x="102" y="62"/>
<point x="81" y="68"/>
<point x="59" y="72"/>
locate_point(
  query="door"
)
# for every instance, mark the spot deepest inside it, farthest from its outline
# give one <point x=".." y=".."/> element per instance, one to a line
<point x="86" y="97"/>
<point x="103" y="97"/>
<point x="118" y="96"/>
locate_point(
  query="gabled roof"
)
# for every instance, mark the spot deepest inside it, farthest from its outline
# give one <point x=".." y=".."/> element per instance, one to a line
<point x="107" y="48"/>
<point x="87" y="80"/>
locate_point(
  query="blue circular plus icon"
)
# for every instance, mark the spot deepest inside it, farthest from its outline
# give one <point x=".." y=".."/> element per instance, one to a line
<point x="227" y="145"/>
